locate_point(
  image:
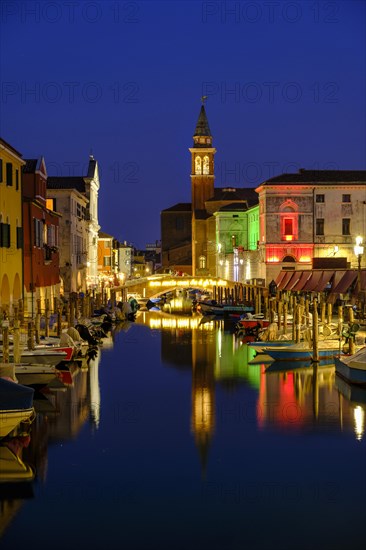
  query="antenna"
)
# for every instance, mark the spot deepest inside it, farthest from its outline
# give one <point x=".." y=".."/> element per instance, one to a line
<point x="204" y="98"/>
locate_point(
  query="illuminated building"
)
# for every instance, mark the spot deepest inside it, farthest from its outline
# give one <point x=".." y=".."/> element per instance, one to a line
<point x="11" y="227"/>
<point x="308" y="215"/>
<point x="189" y="230"/>
<point x="41" y="238"/>
<point x="78" y="227"/>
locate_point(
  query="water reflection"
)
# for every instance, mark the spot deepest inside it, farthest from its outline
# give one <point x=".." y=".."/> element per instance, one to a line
<point x="289" y="397"/>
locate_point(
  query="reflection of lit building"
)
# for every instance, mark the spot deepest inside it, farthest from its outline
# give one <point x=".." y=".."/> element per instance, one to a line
<point x="73" y="406"/>
<point x="94" y="389"/>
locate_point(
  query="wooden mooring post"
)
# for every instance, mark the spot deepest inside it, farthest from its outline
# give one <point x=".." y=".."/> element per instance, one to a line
<point x="315" y="332"/>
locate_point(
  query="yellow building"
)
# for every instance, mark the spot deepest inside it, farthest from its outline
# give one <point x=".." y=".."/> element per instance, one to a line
<point x="11" y="231"/>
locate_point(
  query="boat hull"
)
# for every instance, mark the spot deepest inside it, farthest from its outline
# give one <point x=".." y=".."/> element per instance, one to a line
<point x="349" y="373"/>
<point x="287" y="354"/>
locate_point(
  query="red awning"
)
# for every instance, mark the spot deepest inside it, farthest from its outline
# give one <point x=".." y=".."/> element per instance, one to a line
<point x="347" y="280"/>
<point x="280" y="277"/>
<point x="295" y="275"/>
<point x="305" y="276"/>
<point x="313" y="281"/>
<point x="326" y="277"/>
<point x="285" y="280"/>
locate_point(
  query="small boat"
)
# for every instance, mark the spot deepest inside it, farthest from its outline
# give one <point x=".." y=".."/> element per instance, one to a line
<point x="299" y="352"/>
<point x="45" y="356"/>
<point x="16" y="402"/>
<point x="211" y="307"/>
<point x="260" y="345"/>
<point x="35" y="374"/>
<point x="352" y="367"/>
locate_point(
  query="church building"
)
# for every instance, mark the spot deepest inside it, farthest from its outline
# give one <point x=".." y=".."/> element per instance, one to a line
<point x="210" y="236"/>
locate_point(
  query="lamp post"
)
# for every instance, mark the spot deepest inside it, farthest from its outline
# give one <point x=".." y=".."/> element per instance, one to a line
<point x="359" y="249"/>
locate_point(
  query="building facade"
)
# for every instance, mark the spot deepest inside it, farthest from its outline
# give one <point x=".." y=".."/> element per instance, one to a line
<point x="79" y="198"/>
<point x="41" y="239"/>
<point x="11" y="227"/>
<point x="308" y="216"/>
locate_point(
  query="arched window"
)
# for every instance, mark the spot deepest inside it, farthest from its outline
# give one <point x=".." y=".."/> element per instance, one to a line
<point x="289" y="259"/>
<point x="202" y="262"/>
<point x="198" y="165"/>
<point x="206" y="165"/>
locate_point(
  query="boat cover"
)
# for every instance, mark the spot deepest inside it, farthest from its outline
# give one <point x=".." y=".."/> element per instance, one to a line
<point x="15" y="396"/>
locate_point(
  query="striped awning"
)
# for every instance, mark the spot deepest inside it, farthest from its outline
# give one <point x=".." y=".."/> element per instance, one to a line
<point x="285" y="280"/>
<point x="346" y="281"/>
<point x="304" y="277"/>
<point x="324" y="280"/>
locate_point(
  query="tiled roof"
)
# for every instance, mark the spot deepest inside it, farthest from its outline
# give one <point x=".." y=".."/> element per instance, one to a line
<point x="103" y="235"/>
<point x="201" y="214"/>
<point x="70" y="182"/>
<point x="321" y="176"/>
<point x="30" y="166"/>
<point x="234" y="194"/>
<point x="234" y="207"/>
<point x="180" y="207"/>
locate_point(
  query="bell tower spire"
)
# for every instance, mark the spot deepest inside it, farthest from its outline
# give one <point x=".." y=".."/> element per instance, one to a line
<point x="202" y="153"/>
<point x="202" y="177"/>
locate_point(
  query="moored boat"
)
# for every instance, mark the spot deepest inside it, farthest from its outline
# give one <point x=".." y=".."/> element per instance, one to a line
<point x="352" y="367"/>
<point x="44" y="356"/>
<point x="299" y="352"/>
<point x="211" y="307"/>
<point x="16" y="402"/>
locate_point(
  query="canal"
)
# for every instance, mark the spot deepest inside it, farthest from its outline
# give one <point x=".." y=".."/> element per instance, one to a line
<point x="172" y="440"/>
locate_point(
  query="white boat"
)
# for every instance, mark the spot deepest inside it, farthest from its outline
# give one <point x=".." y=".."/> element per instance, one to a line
<point x="35" y="374"/>
<point x="44" y="356"/>
<point x="352" y="367"/>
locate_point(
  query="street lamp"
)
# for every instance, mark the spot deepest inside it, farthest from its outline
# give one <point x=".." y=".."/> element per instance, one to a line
<point x="358" y="249"/>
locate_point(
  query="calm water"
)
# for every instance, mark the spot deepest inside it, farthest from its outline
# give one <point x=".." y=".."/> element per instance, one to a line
<point x="172" y="441"/>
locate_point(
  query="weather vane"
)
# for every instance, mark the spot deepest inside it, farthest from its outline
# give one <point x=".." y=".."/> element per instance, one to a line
<point x="204" y="99"/>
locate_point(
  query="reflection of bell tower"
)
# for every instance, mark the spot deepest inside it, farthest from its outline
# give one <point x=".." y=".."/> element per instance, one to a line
<point x="202" y="175"/>
<point x="203" y="398"/>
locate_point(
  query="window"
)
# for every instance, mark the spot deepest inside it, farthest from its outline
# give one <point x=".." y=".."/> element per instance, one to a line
<point x="1" y="170"/>
<point x="206" y="165"/>
<point x="320" y="226"/>
<point x="17" y="180"/>
<point x="51" y="204"/>
<point x="37" y="233"/>
<point x="288" y="226"/>
<point x="19" y="237"/>
<point x="198" y="163"/>
<point x="202" y="262"/>
<point x="107" y="261"/>
<point x="346" y="226"/>
<point x="346" y="198"/>
<point x="9" y="173"/>
<point x="319" y="198"/>
<point x="5" y="235"/>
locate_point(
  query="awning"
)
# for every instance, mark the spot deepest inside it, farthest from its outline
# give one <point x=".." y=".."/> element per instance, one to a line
<point x="326" y="277"/>
<point x="347" y="280"/>
<point x="280" y="277"/>
<point x="295" y="275"/>
<point x="313" y="281"/>
<point x="285" y="280"/>
<point x="304" y="277"/>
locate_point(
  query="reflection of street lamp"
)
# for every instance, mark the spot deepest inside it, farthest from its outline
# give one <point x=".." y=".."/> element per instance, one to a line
<point x="358" y="249"/>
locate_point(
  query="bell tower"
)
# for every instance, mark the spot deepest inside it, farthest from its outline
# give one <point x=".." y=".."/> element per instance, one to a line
<point x="202" y="181"/>
<point x="202" y="170"/>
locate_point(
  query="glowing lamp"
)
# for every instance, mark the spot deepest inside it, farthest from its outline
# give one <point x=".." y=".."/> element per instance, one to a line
<point x="289" y="237"/>
<point x="304" y="259"/>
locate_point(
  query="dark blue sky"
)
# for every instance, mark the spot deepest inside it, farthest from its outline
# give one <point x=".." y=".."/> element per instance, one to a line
<point x="285" y="83"/>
